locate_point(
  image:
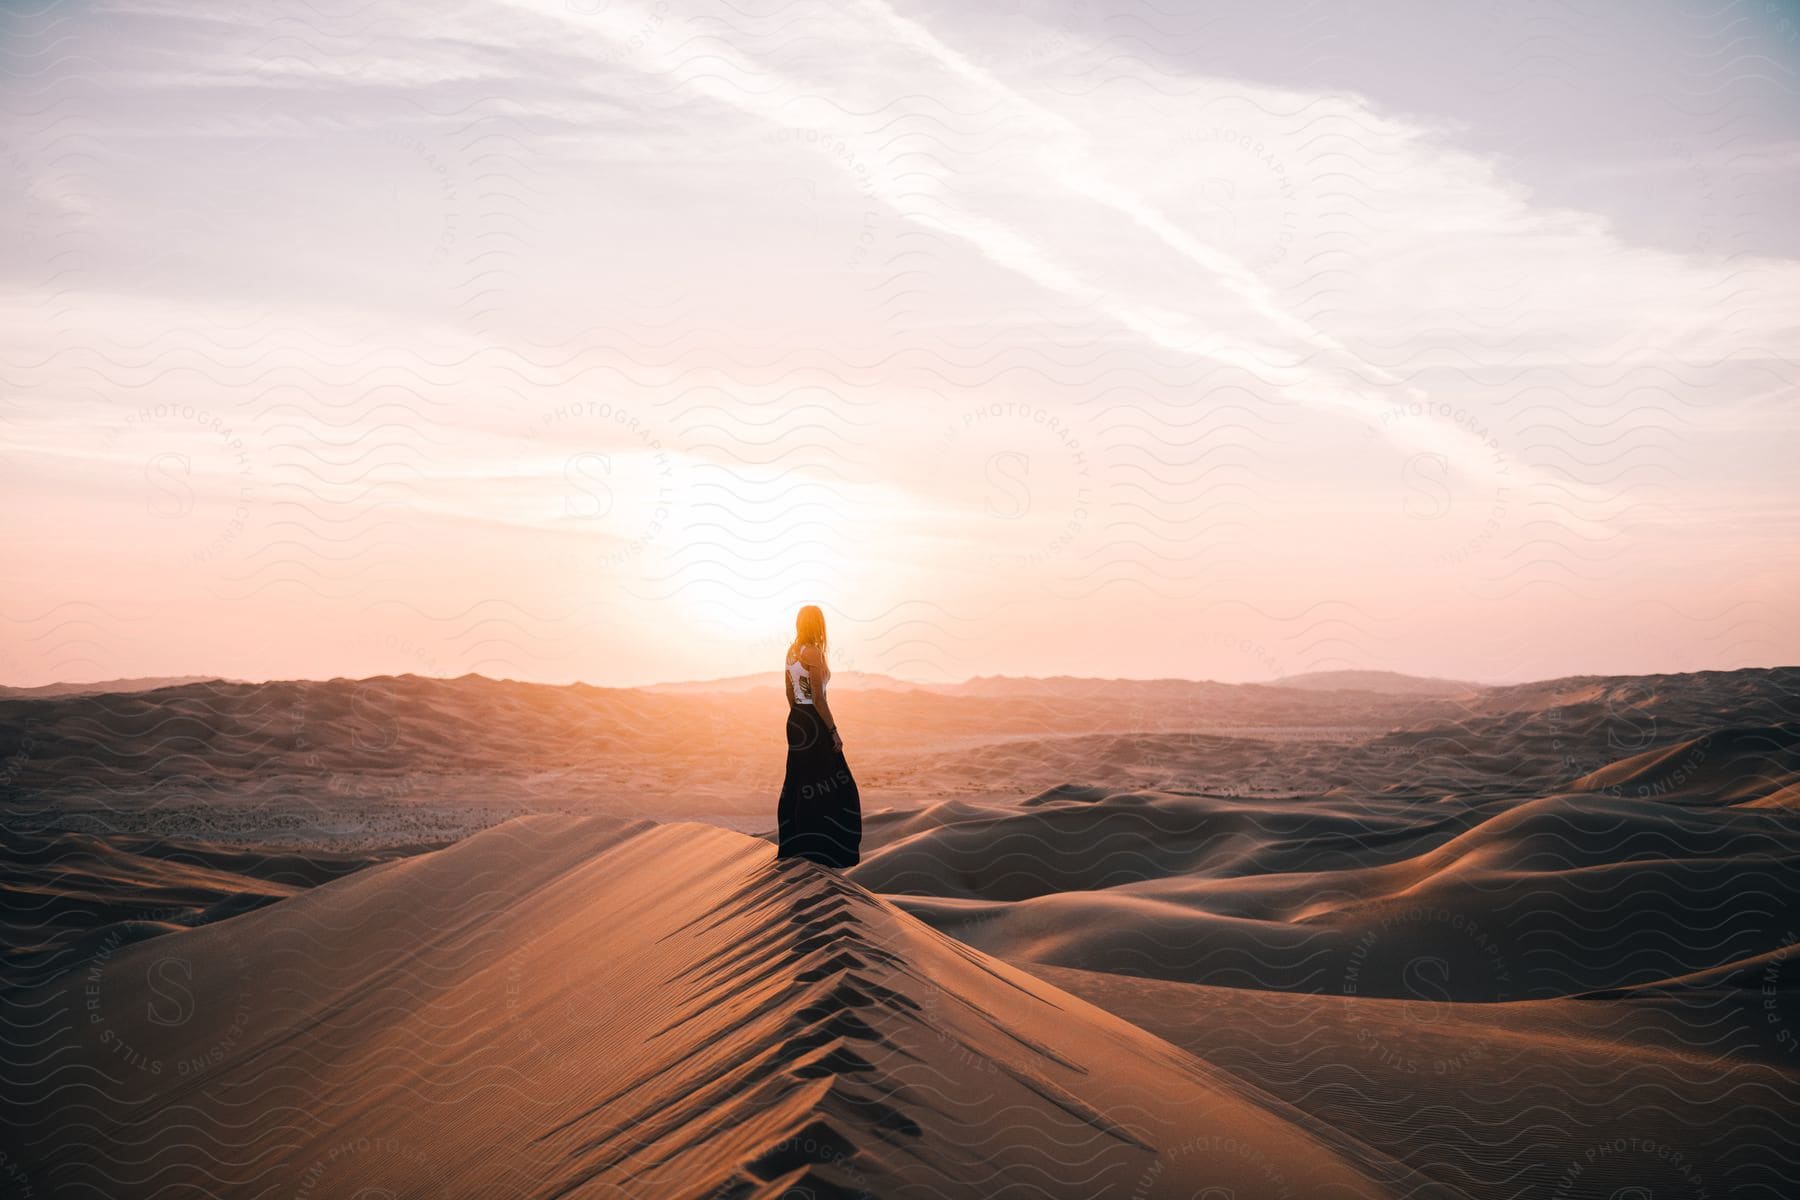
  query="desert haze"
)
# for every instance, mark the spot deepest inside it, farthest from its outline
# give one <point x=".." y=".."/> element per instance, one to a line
<point x="1356" y="935"/>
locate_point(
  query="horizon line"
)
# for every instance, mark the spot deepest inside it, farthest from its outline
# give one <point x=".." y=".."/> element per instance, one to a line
<point x="1274" y="681"/>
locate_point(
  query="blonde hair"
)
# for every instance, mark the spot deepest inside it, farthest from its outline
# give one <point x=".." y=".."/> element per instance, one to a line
<point x="809" y="628"/>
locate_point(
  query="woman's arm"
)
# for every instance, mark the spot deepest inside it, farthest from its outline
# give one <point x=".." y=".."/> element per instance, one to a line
<point x="820" y="674"/>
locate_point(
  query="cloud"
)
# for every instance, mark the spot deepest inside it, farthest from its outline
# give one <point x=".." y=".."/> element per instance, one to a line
<point x="1439" y="240"/>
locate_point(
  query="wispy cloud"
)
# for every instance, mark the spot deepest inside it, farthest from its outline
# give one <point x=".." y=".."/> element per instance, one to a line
<point x="699" y="307"/>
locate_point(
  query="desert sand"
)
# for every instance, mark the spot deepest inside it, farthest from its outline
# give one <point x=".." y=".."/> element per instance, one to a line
<point x="569" y="1006"/>
<point x="1356" y="936"/>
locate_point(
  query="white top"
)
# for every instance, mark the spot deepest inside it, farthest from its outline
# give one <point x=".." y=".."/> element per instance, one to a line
<point x="800" y="682"/>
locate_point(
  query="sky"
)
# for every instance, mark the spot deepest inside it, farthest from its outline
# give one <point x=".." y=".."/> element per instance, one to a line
<point x="586" y="340"/>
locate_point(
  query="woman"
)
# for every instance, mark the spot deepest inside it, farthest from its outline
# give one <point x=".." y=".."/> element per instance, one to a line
<point x="819" y="816"/>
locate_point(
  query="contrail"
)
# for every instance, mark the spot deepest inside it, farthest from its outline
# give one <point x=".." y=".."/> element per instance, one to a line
<point x="1236" y="277"/>
<point x="754" y="88"/>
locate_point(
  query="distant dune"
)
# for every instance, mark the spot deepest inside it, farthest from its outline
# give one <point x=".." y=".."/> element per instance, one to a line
<point x="765" y="680"/>
<point x="1075" y="686"/>
<point x="1389" y="683"/>
<point x="1756" y="767"/>
<point x="398" y="760"/>
<point x="146" y="684"/>
<point x="405" y="759"/>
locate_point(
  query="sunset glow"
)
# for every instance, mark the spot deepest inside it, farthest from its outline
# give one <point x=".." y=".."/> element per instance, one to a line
<point x="589" y="340"/>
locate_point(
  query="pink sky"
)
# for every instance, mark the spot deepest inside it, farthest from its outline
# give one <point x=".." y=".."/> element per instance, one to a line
<point x="589" y="340"/>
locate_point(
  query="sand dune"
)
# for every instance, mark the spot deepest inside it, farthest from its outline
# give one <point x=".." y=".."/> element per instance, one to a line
<point x="1756" y="767"/>
<point x="1386" y="682"/>
<point x="63" y="895"/>
<point x="1525" y="941"/>
<point x="1546" y="897"/>
<point x="593" y="1007"/>
<point x="851" y="680"/>
<point x="1551" y="1099"/>
<point x="1751" y="695"/>
<point x="101" y="687"/>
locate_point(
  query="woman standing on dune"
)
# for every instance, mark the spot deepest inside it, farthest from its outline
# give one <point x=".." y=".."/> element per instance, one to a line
<point x="819" y="816"/>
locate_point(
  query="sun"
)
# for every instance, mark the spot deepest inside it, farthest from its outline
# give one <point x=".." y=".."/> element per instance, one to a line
<point x="744" y="578"/>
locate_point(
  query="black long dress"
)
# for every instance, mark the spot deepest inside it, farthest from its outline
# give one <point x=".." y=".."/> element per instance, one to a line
<point x="819" y="816"/>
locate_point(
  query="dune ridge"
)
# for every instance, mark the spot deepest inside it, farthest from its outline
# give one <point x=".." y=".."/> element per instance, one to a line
<point x="564" y="1006"/>
<point x="1520" y="899"/>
